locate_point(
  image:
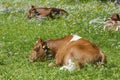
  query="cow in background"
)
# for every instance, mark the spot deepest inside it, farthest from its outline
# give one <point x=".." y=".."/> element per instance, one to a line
<point x="112" y="22"/>
<point x="44" y="12"/>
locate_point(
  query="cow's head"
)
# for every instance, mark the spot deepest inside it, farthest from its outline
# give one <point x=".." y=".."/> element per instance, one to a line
<point x="32" y="12"/>
<point x="38" y="52"/>
<point x="115" y="17"/>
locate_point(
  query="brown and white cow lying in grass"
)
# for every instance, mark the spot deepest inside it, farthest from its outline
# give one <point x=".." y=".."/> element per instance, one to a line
<point x="71" y="52"/>
<point x="112" y="22"/>
<point x="43" y="12"/>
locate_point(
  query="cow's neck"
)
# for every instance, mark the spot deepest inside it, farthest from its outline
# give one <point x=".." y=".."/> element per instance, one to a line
<point x="55" y="44"/>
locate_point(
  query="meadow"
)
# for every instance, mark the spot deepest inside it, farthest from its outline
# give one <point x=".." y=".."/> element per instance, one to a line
<point x="18" y="35"/>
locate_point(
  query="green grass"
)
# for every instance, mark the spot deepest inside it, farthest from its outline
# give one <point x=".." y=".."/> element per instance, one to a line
<point x="18" y="35"/>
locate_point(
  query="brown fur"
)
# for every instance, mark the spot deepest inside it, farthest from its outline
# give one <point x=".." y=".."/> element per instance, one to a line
<point x="55" y="44"/>
<point x="81" y="51"/>
<point x="43" y="12"/>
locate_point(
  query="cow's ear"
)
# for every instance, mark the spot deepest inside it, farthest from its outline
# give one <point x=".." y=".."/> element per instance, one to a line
<point x="32" y="6"/>
<point x="37" y="48"/>
<point x="40" y="40"/>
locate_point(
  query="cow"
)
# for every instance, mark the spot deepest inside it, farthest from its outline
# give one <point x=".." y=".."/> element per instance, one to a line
<point x="44" y="12"/>
<point x="112" y="22"/>
<point x="74" y="52"/>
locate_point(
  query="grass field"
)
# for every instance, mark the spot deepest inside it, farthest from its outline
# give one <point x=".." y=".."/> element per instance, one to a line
<point x="18" y="35"/>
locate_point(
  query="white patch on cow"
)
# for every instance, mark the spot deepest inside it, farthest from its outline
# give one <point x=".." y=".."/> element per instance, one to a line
<point x="75" y="38"/>
<point x="117" y="28"/>
<point x="70" y="67"/>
